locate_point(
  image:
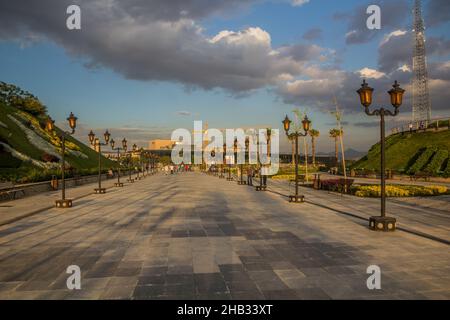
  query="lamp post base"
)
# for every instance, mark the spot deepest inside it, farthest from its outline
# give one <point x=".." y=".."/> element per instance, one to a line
<point x="261" y="188"/>
<point x="242" y="183"/>
<point x="386" y="224"/>
<point x="118" y="184"/>
<point x="100" y="190"/>
<point x="297" y="199"/>
<point x="67" y="203"/>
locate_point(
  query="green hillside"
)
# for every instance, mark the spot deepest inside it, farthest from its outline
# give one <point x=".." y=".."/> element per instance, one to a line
<point x="411" y="153"/>
<point x="29" y="153"/>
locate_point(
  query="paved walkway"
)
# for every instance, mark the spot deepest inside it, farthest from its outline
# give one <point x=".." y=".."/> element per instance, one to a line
<point x="14" y="210"/>
<point x="192" y="236"/>
<point x="429" y="216"/>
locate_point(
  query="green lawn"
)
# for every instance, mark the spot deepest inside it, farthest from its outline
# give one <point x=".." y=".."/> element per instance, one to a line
<point x="18" y="170"/>
<point x="403" y="150"/>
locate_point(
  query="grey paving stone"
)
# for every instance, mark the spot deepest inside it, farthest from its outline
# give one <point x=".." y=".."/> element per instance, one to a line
<point x="226" y="241"/>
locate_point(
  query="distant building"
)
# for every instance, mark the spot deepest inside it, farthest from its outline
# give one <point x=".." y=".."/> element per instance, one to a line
<point x="161" y="144"/>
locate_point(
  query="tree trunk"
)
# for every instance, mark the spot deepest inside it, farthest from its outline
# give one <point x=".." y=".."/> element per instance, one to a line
<point x="336" y="151"/>
<point x="313" y="147"/>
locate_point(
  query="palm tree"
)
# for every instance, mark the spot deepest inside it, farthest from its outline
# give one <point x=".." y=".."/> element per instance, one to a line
<point x="314" y="134"/>
<point x="335" y="134"/>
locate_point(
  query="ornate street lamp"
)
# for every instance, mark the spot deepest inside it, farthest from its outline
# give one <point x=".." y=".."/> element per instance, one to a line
<point x="129" y="163"/>
<point x="50" y="126"/>
<point x="138" y="151"/>
<point x="222" y="165"/>
<point x="95" y="142"/>
<point x="382" y="223"/>
<point x="141" y="154"/>
<point x="124" y="147"/>
<point x="295" y="135"/>
<point x="234" y="160"/>
<point x="262" y="178"/>
<point x="241" y="165"/>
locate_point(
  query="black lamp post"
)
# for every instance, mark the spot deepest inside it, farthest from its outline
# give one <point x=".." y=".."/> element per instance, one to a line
<point x="234" y="159"/>
<point x="295" y="135"/>
<point x="241" y="180"/>
<point x="262" y="178"/>
<point x="382" y="223"/>
<point x="96" y="143"/>
<point x="129" y="162"/>
<point x="222" y="166"/>
<point x="135" y="150"/>
<point x="124" y="147"/>
<point x="50" y="126"/>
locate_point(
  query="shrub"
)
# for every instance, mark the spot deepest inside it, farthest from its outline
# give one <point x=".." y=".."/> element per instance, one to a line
<point x="7" y="160"/>
<point x="289" y="177"/>
<point x="49" y="158"/>
<point x="422" y="160"/>
<point x="447" y="169"/>
<point x="399" y="190"/>
<point x="436" y="163"/>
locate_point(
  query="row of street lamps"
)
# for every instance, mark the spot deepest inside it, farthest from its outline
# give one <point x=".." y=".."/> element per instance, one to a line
<point x="379" y="223"/>
<point x="97" y="144"/>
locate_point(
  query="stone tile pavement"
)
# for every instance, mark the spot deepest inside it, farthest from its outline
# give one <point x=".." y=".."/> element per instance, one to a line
<point x="192" y="236"/>
<point x="427" y="215"/>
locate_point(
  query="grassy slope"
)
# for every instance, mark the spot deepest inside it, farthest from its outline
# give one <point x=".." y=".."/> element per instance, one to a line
<point x="402" y="149"/>
<point x="17" y="139"/>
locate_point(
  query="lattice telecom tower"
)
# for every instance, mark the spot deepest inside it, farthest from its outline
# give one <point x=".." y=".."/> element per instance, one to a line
<point x="421" y="96"/>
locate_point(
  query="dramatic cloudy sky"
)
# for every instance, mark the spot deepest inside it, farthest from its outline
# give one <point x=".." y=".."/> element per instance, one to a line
<point x="145" y="67"/>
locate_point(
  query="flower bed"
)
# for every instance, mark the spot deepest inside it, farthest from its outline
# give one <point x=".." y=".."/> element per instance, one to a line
<point x="399" y="191"/>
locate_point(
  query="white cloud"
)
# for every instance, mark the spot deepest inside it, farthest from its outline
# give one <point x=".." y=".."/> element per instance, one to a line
<point x="371" y="73"/>
<point x="395" y="33"/>
<point x="405" y="68"/>
<point x="299" y="3"/>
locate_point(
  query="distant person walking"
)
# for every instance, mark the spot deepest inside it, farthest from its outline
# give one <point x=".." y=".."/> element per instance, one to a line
<point x="263" y="177"/>
<point x="250" y="174"/>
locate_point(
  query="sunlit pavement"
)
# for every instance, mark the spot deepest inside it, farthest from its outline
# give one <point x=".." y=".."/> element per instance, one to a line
<point x="192" y="236"/>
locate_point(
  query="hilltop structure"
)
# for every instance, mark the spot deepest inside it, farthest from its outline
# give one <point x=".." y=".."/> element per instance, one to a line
<point x="421" y="98"/>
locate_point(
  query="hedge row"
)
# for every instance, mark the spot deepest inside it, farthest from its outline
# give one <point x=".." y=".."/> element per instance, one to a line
<point x="436" y="163"/>
<point x="423" y="159"/>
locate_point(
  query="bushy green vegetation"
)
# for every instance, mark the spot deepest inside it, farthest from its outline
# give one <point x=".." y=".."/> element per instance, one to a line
<point x="403" y="151"/>
<point x="447" y="169"/>
<point x="399" y="191"/>
<point x="16" y="97"/>
<point x="20" y="105"/>
<point x="423" y="159"/>
<point x="437" y="162"/>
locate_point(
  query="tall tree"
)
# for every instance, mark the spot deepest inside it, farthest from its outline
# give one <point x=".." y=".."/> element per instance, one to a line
<point x="314" y="134"/>
<point x="335" y="134"/>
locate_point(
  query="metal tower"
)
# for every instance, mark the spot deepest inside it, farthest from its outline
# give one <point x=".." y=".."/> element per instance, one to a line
<point x="421" y="97"/>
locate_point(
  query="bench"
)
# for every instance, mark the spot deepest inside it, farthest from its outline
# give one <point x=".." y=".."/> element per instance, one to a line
<point x="420" y="175"/>
<point x="12" y="193"/>
<point x="301" y="179"/>
<point x="261" y="188"/>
